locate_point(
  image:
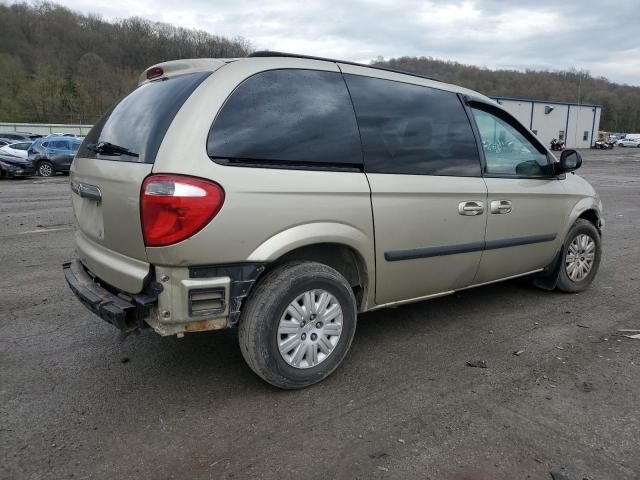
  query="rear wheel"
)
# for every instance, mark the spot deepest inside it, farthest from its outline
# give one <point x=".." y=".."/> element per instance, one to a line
<point x="298" y="324"/>
<point x="581" y="257"/>
<point x="45" y="169"/>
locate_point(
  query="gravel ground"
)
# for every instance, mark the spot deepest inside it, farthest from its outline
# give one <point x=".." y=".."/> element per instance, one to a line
<point x="79" y="401"/>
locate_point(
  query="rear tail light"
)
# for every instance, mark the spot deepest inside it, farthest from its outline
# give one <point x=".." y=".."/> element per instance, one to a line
<point x="175" y="207"/>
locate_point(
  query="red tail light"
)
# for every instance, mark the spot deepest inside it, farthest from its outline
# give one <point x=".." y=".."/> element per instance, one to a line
<point x="175" y="207"/>
<point x="154" y="72"/>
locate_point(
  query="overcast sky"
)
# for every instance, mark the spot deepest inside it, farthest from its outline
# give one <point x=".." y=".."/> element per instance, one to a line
<point x="540" y="34"/>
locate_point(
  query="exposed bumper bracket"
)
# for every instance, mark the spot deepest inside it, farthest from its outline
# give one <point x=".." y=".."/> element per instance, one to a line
<point x="124" y="311"/>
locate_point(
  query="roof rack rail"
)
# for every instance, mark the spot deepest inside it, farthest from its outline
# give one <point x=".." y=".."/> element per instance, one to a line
<point x="269" y="53"/>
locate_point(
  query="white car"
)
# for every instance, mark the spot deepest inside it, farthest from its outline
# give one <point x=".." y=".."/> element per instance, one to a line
<point x="629" y="142"/>
<point x="16" y="149"/>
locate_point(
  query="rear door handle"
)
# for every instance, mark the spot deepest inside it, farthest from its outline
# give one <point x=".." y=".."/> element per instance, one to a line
<point x="501" y="206"/>
<point x="471" y="208"/>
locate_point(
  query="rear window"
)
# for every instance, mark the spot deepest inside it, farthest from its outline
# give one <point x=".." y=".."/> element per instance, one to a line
<point x="288" y="117"/>
<point x="140" y="120"/>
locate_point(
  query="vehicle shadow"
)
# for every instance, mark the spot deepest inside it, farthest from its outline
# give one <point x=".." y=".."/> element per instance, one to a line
<point x="214" y="358"/>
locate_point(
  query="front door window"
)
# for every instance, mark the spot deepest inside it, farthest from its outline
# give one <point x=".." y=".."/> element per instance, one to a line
<point x="507" y="151"/>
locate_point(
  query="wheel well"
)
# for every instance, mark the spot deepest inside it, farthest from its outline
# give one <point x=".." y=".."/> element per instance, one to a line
<point x="591" y="216"/>
<point x="340" y="257"/>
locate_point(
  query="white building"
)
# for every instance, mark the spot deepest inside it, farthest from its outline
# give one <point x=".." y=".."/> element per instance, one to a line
<point x="575" y="124"/>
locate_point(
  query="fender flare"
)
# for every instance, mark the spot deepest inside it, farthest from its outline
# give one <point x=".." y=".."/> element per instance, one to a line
<point x="317" y="233"/>
<point x="314" y="233"/>
<point x="584" y="204"/>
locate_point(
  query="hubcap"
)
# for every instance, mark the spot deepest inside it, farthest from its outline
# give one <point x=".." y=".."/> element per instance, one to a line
<point x="45" y="170"/>
<point x="310" y="329"/>
<point x="580" y="257"/>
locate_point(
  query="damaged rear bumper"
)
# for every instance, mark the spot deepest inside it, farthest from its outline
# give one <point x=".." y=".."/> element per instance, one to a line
<point x="124" y="311"/>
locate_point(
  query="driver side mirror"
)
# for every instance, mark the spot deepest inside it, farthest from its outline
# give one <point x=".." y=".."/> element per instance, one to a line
<point x="570" y="160"/>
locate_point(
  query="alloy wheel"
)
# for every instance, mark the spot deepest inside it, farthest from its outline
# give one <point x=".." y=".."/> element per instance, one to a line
<point x="45" y="170"/>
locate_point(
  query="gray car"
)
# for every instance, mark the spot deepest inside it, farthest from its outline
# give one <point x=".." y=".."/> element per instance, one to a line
<point x="53" y="154"/>
<point x="283" y="195"/>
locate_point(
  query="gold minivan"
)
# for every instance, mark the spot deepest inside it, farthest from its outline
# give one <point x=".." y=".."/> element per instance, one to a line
<point x="284" y="194"/>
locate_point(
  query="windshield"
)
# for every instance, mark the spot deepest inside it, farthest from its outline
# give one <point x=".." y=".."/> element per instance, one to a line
<point x="140" y="120"/>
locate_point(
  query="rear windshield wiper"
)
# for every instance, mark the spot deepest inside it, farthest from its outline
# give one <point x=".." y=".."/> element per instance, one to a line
<point x="107" y="148"/>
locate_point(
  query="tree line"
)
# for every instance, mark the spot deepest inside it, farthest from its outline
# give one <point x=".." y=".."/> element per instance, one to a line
<point x="621" y="103"/>
<point x="58" y="66"/>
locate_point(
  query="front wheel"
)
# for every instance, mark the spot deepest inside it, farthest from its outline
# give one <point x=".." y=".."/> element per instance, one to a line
<point x="45" y="169"/>
<point x="298" y="324"/>
<point x="581" y="257"/>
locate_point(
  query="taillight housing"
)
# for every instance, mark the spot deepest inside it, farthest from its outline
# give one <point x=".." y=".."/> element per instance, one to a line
<point x="154" y="72"/>
<point x="176" y="207"/>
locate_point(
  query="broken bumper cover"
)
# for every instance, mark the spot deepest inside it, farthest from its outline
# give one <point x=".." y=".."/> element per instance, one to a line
<point x="124" y="311"/>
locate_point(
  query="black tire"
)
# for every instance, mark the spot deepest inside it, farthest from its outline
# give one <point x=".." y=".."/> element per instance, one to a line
<point x="267" y="302"/>
<point x="565" y="283"/>
<point x="45" y="169"/>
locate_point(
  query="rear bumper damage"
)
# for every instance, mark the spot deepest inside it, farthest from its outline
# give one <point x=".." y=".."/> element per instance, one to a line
<point x="183" y="299"/>
<point x="124" y="311"/>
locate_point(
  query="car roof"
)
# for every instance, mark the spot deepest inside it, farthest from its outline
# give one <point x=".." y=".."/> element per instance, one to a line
<point x="177" y="67"/>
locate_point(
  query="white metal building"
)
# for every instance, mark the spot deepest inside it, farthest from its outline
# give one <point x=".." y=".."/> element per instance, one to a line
<point x="575" y="124"/>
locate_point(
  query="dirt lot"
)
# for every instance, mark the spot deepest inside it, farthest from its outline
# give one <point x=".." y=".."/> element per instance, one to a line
<point x="77" y="400"/>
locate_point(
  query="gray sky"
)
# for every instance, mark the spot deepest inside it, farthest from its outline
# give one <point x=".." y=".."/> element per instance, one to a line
<point x="541" y="34"/>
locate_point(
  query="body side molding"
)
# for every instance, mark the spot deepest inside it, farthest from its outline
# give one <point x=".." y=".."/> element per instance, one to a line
<point x="411" y="254"/>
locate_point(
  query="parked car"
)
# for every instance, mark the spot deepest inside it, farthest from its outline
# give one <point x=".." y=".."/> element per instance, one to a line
<point x="53" y="154"/>
<point x="16" y="149"/>
<point x="15" y="167"/>
<point x="13" y="137"/>
<point x="243" y="193"/>
<point x="5" y="142"/>
<point x="628" y="142"/>
<point x="602" y="145"/>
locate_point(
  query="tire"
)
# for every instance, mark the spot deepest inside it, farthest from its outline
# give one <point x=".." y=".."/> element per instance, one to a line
<point x="579" y="283"/>
<point x="267" y="310"/>
<point x="45" y="169"/>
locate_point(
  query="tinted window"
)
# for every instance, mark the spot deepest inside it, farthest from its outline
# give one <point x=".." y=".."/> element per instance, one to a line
<point x="140" y="120"/>
<point x="413" y="129"/>
<point x="302" y="116"/>
<point x="506" y="149"/>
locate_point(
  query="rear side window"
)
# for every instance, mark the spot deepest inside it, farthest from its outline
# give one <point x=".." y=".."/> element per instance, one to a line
<point x="411" y="129"/>
<point x="288" y="116"/>
<point x="59" y="144"/>
<point x="140" y="120"/>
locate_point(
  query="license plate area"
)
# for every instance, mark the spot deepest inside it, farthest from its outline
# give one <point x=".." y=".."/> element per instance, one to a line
<point x="87" y="208"/>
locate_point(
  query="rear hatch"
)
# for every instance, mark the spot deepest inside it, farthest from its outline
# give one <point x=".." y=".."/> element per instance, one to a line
<point x="107" y="174"/>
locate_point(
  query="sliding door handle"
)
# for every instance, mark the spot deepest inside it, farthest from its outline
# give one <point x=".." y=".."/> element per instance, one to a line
<point x="471" y="208"/>
<point x="501" y="206"/>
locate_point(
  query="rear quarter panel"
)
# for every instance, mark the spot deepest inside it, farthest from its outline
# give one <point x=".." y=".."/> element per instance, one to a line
<point x="267" y="212"/>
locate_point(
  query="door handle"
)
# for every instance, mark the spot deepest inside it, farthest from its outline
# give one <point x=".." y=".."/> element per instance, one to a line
<point x="501" y="206"/>
<point x="470" y="208"/>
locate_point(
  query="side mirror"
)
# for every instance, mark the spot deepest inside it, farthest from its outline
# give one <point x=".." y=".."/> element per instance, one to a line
<point x="570" y="160"/>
